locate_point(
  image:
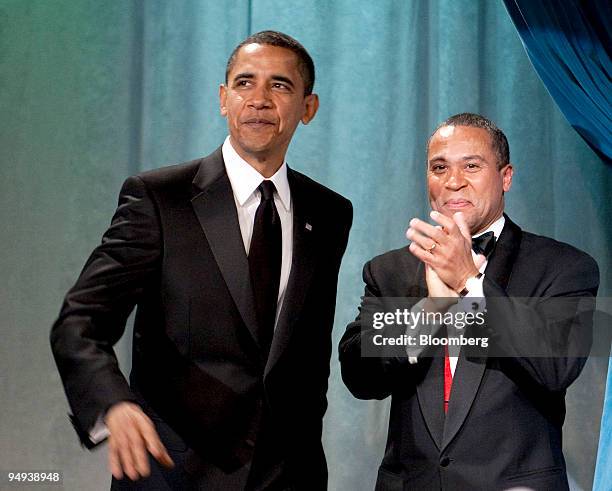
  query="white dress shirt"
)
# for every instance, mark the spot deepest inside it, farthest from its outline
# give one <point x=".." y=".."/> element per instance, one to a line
<point x="245" y="180"/>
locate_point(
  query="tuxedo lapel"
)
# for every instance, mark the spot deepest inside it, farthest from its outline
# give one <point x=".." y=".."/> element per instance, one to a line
<point x="470" y="369"/>
<point x="503" y="257"/>
<point x="302" y="266"/>
<point x="430" y="390"/>
<point x="215" y="208"/>
<point x="466" y="381"/>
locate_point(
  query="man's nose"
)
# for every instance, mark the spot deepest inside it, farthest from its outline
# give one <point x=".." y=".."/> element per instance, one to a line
<point x="260" y="98"/>
<point x="456" y="179"/>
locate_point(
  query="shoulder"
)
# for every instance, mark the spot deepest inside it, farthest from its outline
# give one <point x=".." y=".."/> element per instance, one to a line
<point x="556" y="267"/>
<point x="387" y="260"/>
<point x="556" y="253"/>
<point x="395" y="273"/>
<point x="318" y="193"/>
<point x="172" y="174"/>
<point x="179" y="180"/>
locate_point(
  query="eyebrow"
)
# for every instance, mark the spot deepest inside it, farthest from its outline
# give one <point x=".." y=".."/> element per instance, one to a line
<point x="441" y="158"/>
<point x="243" y="75"/>
<point x="281" y="78"/>
<point x="277" y="78"/>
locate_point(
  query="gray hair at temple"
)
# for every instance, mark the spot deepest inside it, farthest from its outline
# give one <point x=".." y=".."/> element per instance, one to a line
<point x="281" y="40"/>
<point x="499" y="142"/>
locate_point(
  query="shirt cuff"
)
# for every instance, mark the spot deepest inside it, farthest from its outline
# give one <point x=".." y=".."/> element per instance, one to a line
<point x="477" y="290"/>
<point x="99" y="432"/>
<point x="420" y="305"/>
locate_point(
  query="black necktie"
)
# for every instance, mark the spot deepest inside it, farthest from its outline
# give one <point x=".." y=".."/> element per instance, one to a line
<point x="484" y="244"/>
<point x="265" y="262"/>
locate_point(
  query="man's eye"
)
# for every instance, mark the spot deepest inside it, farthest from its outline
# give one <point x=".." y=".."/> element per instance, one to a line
<point x="438" y="168"/>
<point x="279" y="85"/>
<point x="472" y="166"/>
<point x="243" y="83"/>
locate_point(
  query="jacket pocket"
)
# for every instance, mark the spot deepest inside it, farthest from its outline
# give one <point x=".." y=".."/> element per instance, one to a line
<point x="536" y="474"/>
<point x="388" y="481"/>
<point x="170" y="439"/>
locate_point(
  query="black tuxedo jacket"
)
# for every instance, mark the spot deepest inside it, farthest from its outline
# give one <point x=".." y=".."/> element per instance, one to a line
<point x="503" y="426"/>
<point x="175" y="250"/>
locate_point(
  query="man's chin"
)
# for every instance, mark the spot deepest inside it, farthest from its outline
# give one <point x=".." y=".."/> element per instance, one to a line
<point x="259" y="147"/>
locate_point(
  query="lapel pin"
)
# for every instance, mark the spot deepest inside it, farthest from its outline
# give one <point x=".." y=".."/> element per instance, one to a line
<point x="308" y="227"/>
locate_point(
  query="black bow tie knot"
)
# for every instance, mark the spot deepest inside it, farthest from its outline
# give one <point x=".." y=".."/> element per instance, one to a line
<point x="484" y="244"/>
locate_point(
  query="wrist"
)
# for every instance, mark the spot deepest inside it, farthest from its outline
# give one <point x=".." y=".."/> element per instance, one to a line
<point x="466" y="284"/>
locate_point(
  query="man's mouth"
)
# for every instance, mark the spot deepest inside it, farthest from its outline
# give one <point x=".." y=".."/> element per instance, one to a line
<point x="457" y="204"/>
<point x="258" y="122"/>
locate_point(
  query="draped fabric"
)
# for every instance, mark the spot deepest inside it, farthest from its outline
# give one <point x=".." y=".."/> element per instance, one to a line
<point x="92" y="92"/>
<point x="603" y="469"/>
<point x="569" y="43"/>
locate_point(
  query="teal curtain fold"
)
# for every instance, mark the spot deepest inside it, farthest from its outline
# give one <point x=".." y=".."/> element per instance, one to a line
<point x="603" y="470"/>
<point x="569" y="43"/>
<point x="92" y="92"/>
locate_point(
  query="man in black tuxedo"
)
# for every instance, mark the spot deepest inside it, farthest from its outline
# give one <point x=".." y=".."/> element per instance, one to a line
<point x="232" y="261"/>
<point x="475" y="417"/>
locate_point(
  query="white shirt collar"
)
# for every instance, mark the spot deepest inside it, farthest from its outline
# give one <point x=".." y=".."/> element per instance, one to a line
<point x="245" y="179"/>
<point x="496" y="227"/>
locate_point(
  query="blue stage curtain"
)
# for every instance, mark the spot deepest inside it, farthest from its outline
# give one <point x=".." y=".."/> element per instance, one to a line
<point x="603" y="469"/>
<point x="568" y="43"/>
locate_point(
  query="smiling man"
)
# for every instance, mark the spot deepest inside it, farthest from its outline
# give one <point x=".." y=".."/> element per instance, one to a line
<point x="463" y="416"/>
<point x="232" y="261"/>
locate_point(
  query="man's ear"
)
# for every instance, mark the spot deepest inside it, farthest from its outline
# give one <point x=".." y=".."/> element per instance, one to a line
<point x="222" y="99"/>
<point x="507" y="173"/>
<point x="311" y="105"/>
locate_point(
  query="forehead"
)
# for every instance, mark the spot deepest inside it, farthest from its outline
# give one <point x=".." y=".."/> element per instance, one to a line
<point x="261" y="57"/>
<point x="460" y="140"/>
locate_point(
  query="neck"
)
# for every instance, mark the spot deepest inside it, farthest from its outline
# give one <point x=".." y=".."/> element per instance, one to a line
<point x="485" y="227"/>
<point x="265" y="163"/>
<point x="265" y="168"/>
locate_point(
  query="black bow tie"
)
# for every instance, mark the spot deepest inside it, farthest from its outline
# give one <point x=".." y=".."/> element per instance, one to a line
<point x="484" y="244"/>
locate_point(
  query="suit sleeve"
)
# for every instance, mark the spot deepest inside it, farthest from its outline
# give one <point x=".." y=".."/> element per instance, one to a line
<point x="94" y="313"/>
<point x="546" y="340"/>
<point x="328" y="302"/>
<point x="367" y="377"/>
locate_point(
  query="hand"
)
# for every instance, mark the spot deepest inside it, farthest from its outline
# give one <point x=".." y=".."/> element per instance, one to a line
<point x="447" y="248"/>
<point x="132" y="434"/>
<point x="436" y="287"/>
<point x="440" y="295"/>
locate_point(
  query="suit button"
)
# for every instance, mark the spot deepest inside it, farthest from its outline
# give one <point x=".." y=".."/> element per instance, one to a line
<point x="445" y="461"/>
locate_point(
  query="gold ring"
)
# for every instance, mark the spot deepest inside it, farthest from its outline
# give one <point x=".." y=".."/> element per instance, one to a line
<point x="430" y="250"/>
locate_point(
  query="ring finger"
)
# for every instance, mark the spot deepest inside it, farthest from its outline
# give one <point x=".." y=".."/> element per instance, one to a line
<point x="424" y="242"/>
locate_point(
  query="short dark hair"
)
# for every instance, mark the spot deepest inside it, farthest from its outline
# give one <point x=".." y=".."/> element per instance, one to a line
<point x="499" y="142"/>
<point x="281" y="40"/>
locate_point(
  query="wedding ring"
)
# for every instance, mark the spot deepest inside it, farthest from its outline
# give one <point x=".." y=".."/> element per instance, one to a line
<point x="430" y="250"/>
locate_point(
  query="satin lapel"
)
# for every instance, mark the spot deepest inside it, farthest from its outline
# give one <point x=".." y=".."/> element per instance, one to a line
<point x="470" y="370"/>
<point x="216" y="211"/>
<point x="302" y="267"/>
<point x="466" y="381"/>
<point x="430" y="390"/>
<point x="503" y="257"/>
